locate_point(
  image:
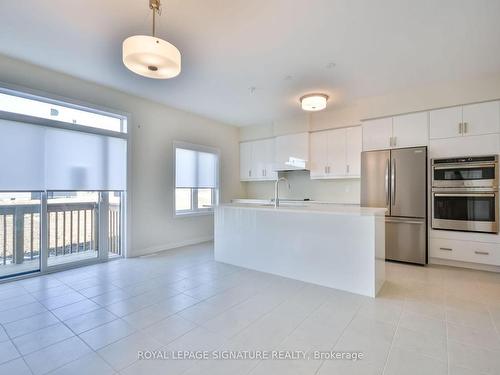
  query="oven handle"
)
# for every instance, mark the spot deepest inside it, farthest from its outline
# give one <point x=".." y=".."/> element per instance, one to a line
<point x="463" y="166"/>
<point x="488" y="195"/>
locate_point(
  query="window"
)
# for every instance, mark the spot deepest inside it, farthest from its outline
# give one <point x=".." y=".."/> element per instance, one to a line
<point x="31" y="105"/>
<point x="196" y="179"/>
<point x="62" y="186"/>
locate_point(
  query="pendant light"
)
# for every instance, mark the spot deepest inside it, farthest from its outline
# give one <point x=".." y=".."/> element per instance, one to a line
<point x="150" y="56"/>
<point x="314" y="102"/>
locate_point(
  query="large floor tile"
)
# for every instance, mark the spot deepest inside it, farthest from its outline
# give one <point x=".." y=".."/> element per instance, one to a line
<point x="8" y="351"/>
<point x="15" y="367"/>
<point x="124" y="352"/>
<point x="90" y="320"/>
<point x="407" y="362"/>
<point x="30" y="324"/>
<point x="88" y="364"/>
<point x="57" y="355"/>
<point x="107" y="333"/>
<point x="42" y="338"/>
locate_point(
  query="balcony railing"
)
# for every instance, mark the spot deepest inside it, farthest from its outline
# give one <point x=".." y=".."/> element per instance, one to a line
<point x="72" y="228"/>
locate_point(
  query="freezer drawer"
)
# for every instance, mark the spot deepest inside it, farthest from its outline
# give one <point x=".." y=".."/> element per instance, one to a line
<point x="406" y="240"/>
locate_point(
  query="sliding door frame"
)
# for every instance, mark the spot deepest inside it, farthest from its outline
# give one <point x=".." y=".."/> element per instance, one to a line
<point x="126" y="205"/>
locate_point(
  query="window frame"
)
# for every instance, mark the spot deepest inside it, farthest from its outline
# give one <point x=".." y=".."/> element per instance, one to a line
<point x="195" y="211"/>
<point x="64" y="102"/>
<point x="125" y="133"/>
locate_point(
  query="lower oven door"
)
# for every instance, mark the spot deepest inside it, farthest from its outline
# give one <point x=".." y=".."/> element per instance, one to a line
<point x="465" y="211"/>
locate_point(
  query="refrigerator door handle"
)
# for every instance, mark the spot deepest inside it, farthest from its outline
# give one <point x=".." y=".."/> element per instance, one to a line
<point x="393" y="181"/>
<point x="387" y="182"/>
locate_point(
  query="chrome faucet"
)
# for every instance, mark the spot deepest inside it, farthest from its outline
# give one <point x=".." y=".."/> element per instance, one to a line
<point x="276" y="191"/>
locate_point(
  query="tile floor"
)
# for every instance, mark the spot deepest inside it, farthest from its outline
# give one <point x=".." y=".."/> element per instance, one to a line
<point x="93" y="320"/>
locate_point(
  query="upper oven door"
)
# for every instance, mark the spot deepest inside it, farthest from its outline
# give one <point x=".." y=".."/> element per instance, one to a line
<point x="465" y="211"/>
<point x="459" y="175"/>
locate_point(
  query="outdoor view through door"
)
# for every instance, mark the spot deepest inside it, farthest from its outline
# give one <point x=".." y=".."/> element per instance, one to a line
<point x="196" y="179"/>
<point x="63" y="184"/>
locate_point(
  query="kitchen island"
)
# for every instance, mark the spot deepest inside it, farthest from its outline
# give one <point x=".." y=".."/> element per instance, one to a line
<point x="337" y="246"/>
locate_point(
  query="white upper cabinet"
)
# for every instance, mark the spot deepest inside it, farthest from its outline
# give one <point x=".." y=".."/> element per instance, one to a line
<point x="410" y="130"/>
<point x="377" y="134"/>
<point x="292" y="152"/>
<point x="481" y="118"/>
<point x="257" y="160"/>
<point x="319" y="154"/>
<point x="471" y="119"/>
<point x="445" y="123"/>
<point x="353" y="151"/>
<point x="395" y="132"/>
<point x="246" y="161"/>
<point x="336" y="153"/>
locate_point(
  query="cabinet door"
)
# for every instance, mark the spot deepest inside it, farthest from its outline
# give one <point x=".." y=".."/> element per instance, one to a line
<point x="245" y="161"/>
<point x="258" y="161"/>
<point x="445" y="123"/>
<point x="353" y="151"/>
<point x="377" y="134"/>
<point x="411" y="130"/>
<point x="292" y="151"/>
<point x="481" y="118"/>
<point x="268" y="159"/>
<point x="337" y="153"/>
<point x="319" y="154"/>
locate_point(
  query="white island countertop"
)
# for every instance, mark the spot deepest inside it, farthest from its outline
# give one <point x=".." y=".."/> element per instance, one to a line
<point x="312" y="207"/>
<point x="339" y="246"/>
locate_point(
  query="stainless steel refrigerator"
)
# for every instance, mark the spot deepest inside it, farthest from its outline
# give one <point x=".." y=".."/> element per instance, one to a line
<point x="397" y="179"/>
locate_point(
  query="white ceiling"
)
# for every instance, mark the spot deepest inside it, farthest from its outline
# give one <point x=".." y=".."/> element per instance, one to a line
<point x="283" y="48"/>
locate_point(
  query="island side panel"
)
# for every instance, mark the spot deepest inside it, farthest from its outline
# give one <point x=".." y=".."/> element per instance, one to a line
<point x="332" y="250"/>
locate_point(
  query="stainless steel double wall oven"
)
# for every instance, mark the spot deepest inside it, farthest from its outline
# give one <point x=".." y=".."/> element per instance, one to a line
<point x="465" y="194"/>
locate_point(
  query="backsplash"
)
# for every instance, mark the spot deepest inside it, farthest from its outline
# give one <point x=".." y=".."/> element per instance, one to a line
<point x="301" y="186"/>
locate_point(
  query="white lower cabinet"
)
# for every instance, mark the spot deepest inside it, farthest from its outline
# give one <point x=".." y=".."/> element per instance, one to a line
<point x="465" y="251"/>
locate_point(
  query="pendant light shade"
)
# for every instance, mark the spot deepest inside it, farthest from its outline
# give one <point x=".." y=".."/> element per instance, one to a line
<point x="151" y="57"/>
<point x="313" y="102"/>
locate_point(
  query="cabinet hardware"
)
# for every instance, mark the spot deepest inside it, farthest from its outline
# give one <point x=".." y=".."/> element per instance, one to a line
<point x="326" y="169"/>
<point x="482" y="252"/>
<point x="249" y="173"/>
<point x="394" y="141"/>
<point x="446" y="248"/>
<point x="347" y="168"/>
<point x="390" y="141"/>
<point x="460" y="127"/>
<point x="466" y="124"/>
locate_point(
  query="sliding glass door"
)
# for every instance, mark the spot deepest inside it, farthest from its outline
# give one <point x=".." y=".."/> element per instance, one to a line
<point x="62" y="184"/>
<point x="20" y="245"/>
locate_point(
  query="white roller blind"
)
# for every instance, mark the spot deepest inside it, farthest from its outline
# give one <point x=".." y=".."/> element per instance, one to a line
<point x="195" y="169"/>
<point x="22" y="150"/>
<point x="35" y="157"/>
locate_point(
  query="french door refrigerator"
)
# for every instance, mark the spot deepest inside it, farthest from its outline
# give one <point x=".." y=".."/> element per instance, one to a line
<point x="397" y="179"/>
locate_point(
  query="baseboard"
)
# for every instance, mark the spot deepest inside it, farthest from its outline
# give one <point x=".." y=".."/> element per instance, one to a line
<point x="455" y="263"/>
<point x="170" y="246"/>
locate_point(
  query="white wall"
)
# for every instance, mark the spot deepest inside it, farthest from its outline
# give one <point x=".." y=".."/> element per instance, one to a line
<point x="302" y="187"/>
<point x="351" y="113"/>
<point x="153" y="128"/>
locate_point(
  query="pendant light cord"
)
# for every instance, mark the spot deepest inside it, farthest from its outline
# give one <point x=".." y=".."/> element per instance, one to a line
<point x="155" y="5"/>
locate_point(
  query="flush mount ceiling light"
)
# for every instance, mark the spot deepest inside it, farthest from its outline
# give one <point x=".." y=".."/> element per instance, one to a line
<point x="313" y="102"/>
<point x="150" y="56"/>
